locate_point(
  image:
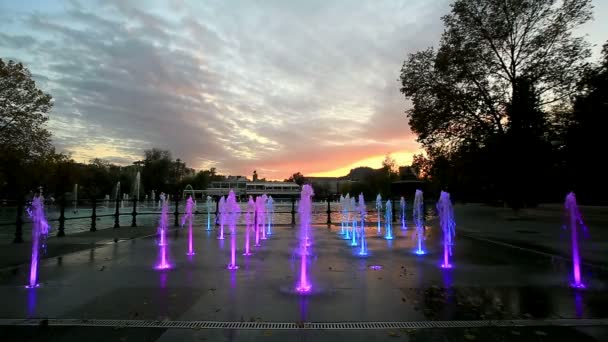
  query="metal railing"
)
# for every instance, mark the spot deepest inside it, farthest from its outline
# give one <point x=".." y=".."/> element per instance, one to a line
<point x="118" y="204"/>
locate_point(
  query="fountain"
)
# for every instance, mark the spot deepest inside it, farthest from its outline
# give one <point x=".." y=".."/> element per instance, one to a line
<point x="209" y="204"/>
<point x="347" y="208"/>
<point x="153" y="198"/>
<point x="448" y="226"/>
<point x="388" y="220"/>
<point x="117" y="192"/>
<point x="40" y="231"/>
<point x="418" y="217"/>
<point x="233" y="214"/>
<point x="75" y="194"/>
<point x="163" y="262"/>
<point x="249" y="222"/>
<point x="106" y="201"/>
<point x="305" y="211"/>
<point x="379" y="211"/>
<point x="362" y="212"/>
<point x="259" y="209"/>
<point x="403" y="218"/>
<point x="575" y="222"/>
<point x="269" y="214"/>
<point x="189" y="217"/>
<point x="222" y="212"/>
<point x="262" y="217"/>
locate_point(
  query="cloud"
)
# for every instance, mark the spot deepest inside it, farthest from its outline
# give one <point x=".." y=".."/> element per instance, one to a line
<point x="277" y="86"/>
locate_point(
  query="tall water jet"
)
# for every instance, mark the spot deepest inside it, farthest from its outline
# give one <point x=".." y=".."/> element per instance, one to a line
<point x="347" y="212"/>
<point x="40" y="231"/>
<point x="403" y="216"/>
<point x="75" y="194"/>
<point x="379" y="211"/>
<point x="209" y="204"/>
<point x="259" y="208"/>
<point x="362" y="212"/>
<point x="353" y="235"/>
<point x="233" y="214"/>
<point x="152" y="198"/>
<point x="418" y="217"/>
<point x="388" y="220"/>
<point x="305" y="211"/>
<point x="222" y="211"/>
<point x="262" y="217"/>
<point x="117" y="192"/>
<point x="269" y="215"/>
<point x="448" y="226"/>
<point x="249" y="223"/>
<point x="575" y="222"/>
<point x="163" y="224"/>
<point x="189" y="218"/>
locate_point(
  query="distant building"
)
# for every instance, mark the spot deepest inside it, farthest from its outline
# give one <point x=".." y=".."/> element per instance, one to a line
<point x="408" y="182"/>
<point x="331" y="185"/>
<point x="244" y="187"/>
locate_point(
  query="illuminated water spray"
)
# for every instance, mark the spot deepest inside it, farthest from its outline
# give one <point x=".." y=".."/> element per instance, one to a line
<point x="347" y="214"/>
<point x="262" y="217"/>
<point x="305" y="211"/>
<point x="418" y="217"/>
<point x="222" y="211"/>
<point x="362" y="212"/>
<point x="233" y="214"/>
<point x="403" y="218"/>
<point x="249" y="223"/>
<point x="259" y="209"/>
<point x="343" y="214"/>
<point x="575" y="222"/>
<point x="40" y="231"/>
<point x="379" y="211"/>
<point x="388" y="220"/>
<point x="269" y="215"/>
<point x="448" y="226"/>
<point x="188" y="218"/>
<point x="163" y="260"/>
<point x="209" y="205"/>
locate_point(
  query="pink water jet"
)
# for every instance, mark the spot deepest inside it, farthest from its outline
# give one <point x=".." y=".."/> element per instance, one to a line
<point x="163" y="261"/>
<point x="575" y="222"/>
<point x="233" y="214"/>
<point x="188" y="217"/>
<point x="222" y="212"/>
<point x="249" y="222"/>
<point x="448" y="226"/>
<point x="305" y="211"/>
<point x="40" y="231"/>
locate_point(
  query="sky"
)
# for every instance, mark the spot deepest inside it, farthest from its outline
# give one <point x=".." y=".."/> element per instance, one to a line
<point x="274" y="86"/>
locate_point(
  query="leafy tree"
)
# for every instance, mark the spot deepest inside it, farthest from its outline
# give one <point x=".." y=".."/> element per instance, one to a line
<point x="499" y="65"/>
<point x="298" y="178"/>
<point x="156" y="171"/>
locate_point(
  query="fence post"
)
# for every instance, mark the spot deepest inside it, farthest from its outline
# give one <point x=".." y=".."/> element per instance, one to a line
<point x="117" y="214"/>
<point x="61" y="230"/>
<point x="293" y="210"/>
<point x="94" y="215"/>
<point x="134" y="213"/>
<point x="19" y="222"/>
<point x="328" y="210"/>
<point x="176" y="213"/>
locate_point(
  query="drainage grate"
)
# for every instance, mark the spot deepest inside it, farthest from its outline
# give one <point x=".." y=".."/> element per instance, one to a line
<point x="117" y="323"/>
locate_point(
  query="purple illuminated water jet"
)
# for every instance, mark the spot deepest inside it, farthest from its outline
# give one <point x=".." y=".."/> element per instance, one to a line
<point x="188" y="218"/>
<point x="305" y="210"/>
<point x="262" y="217"/>
<point x="362" y="212"/>
<point x="269" y="215"/>
<point x="163" y="261"/>
<point x="209" y="204"/>
<point x="448" y="226"/>
<point x="234" y="211"/>
<point x="249" y="222"/>
<point x="222" y="211"/>
<point x="40" y="231"/>
<point x="575" y="222"/>
<point x="418" y="217"/>
<point x="259" y="208"/>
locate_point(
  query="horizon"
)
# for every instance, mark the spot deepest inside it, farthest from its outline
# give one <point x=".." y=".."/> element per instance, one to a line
<point x="277" y="87"/>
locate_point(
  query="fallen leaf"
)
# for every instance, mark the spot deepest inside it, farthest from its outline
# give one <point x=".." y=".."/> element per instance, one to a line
<point x="102" y="268"/>
<point x="267" y="333"/>
<point x="515" y="332"/>
<point x="393" y="334"/>
<point x="540" y="333"/>
<point x="469" y="337"/>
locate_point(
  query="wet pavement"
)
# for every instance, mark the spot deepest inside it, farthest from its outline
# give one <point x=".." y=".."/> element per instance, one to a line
<point x="118" y="281"/>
